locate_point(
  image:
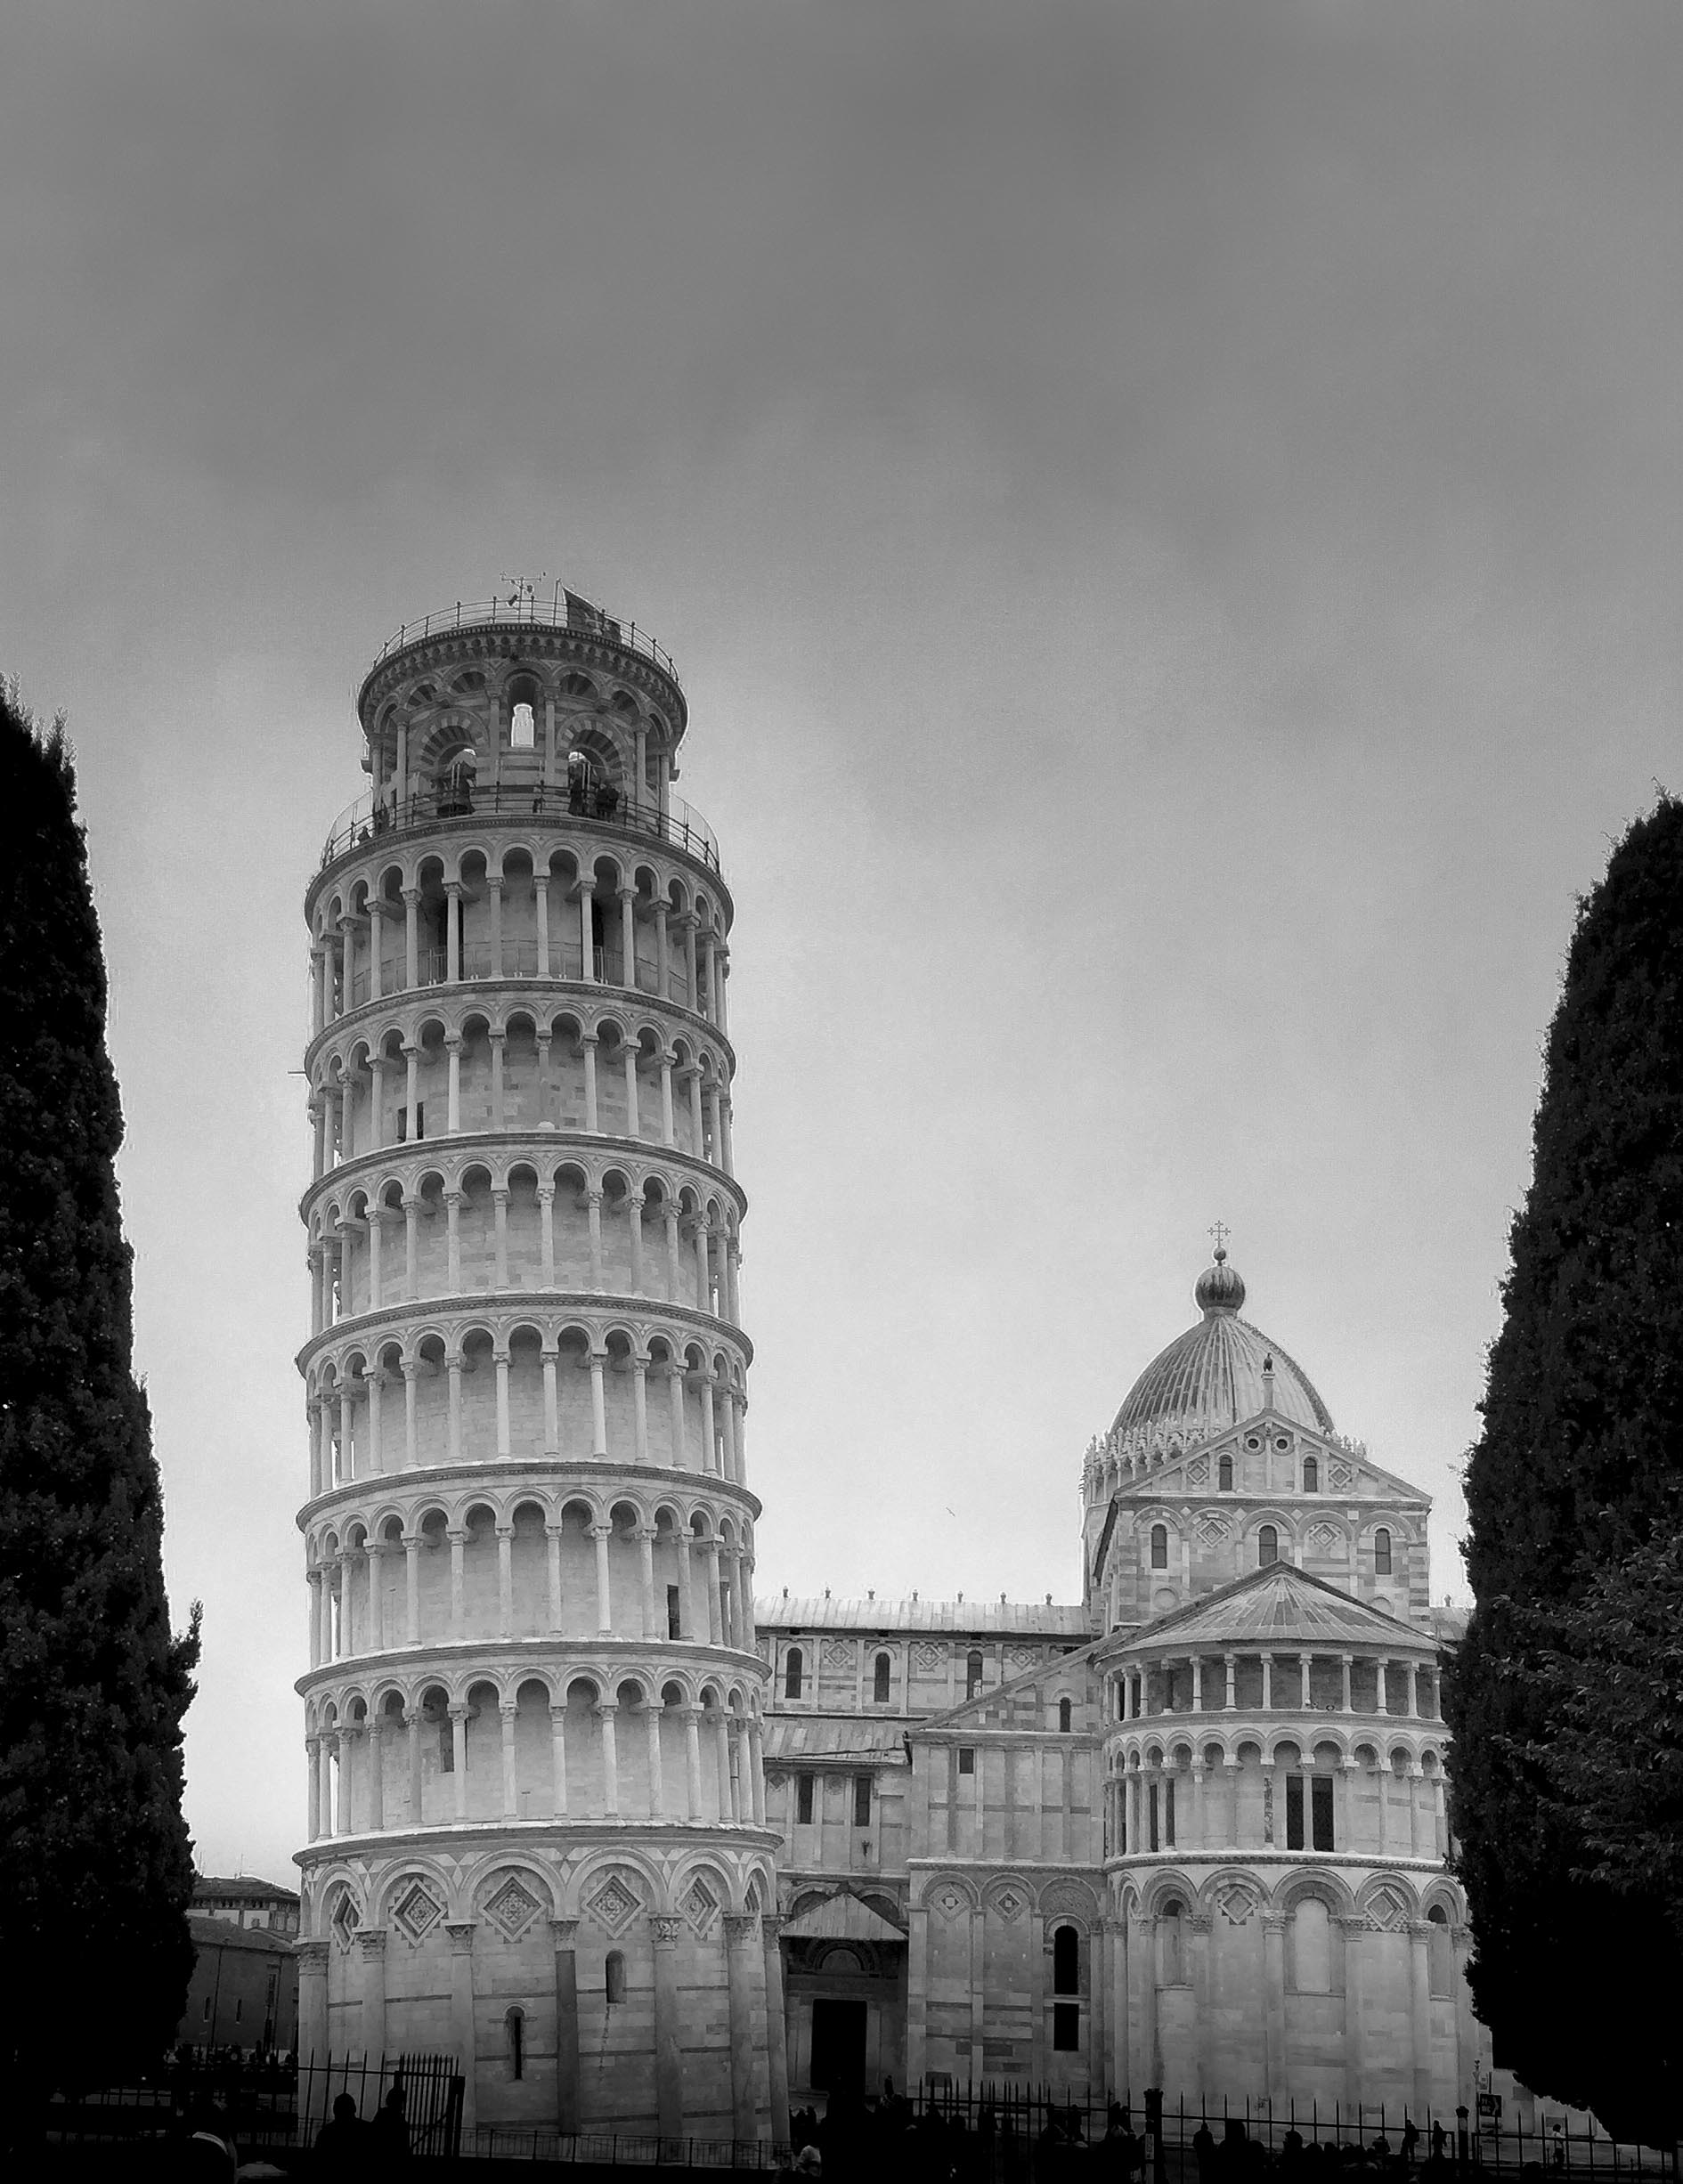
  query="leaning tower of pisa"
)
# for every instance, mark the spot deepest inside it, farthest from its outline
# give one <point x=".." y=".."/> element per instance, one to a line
<point x="536" y="1813"/>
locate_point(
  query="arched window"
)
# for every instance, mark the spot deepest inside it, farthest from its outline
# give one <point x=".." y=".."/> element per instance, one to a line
<point x="454" y="784"/>
<point x="613" y="1977"/>
<point x="1267" y="1546"/>
<point x="1440" y="1955"/>
<point x="1382" y="1553"/>
<point x="1311" y="1948"/>
<point x="523" y="732"/>
<point x="1311" y="1475"/>
<point x="515" y="2023"/>
<point x="1168" y="1932"/>
<point x="1224" y="1473"/>
<point x="1063" y="1716"/>
<point x="1159" y="1546"/>
<point x="880" y="1684"/>
<point x="1066" y="1961"/>
<point x="973" y="1676"/>
<point x="792" y="1665"/>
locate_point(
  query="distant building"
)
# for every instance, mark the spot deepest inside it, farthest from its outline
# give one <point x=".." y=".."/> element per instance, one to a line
<point x="251" y="1904"/>
<point x="244" y="1990"/>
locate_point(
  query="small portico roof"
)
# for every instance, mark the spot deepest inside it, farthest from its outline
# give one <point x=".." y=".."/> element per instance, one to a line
<point x="841" y="1916"/>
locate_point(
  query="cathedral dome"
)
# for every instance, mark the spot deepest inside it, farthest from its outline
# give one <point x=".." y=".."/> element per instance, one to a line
<point x="1211" y="1376"/>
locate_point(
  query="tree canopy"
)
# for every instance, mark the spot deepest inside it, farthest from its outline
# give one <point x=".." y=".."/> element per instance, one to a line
<point x="1564" y="1697"/>
<point x="95" y="1863"/>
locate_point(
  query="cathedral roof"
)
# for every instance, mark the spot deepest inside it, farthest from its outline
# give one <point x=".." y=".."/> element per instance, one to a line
<point x="834" y="1736"/>
<point x="972" y="1618"/>
<point x="1212" y="1376"/>
<point x="1280" y="1605"/>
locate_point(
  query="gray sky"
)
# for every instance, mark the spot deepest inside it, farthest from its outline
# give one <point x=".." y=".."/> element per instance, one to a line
<point x="1168" y="519"/>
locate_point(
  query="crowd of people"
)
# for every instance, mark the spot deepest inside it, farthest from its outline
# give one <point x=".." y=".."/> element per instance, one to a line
<point x="888" y="2139"/>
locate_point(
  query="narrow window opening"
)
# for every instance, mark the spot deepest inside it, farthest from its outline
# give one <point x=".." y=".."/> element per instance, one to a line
<point x="1159" y="1546"/>
<point x="1066" y="1961"/>
<point x="1294" y="1812"/>
<point x="1320" y="1811"/>
<point x="1066" y="2027"/>
<point x="446" y="1749"/>
<point x="1267" y="1546"/>
<point x="1150" y="1816"/>
<point x="861" y="1800"/>
<point x="1225" y="1475"/>
<point x="522" y="735"/>
<point x="880" y="1680"/>
<point x="803" y="1799"/>
<point x="1311" y="1475"/>
<point x="973" y="1676"/>
<point x="516" y="2022"/>
<point x="673" y="1619"/>
<point x="1382" y="1553"/>
<point x="239" y="2008"/>
<point x="1063" y="1716"/>
<point x="613" y="1977"/>
<point x="792" y="1673"/>
<point x="1169" y="1814"/>
<point x="967" y="1758"/>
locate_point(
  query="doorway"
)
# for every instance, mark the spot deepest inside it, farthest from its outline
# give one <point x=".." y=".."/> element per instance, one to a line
<point x="838" y="2046"/>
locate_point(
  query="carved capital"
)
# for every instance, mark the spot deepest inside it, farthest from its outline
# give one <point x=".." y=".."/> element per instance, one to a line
<point x="665" y="1932"/>
<point x="741" y="1927"/>
<point x="461" y="1935"/>
<point x="565" y="1932"/>
<point x="370" y="1941"/>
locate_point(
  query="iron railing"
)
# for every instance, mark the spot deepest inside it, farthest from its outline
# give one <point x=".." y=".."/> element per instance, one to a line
<point x="563" y="609"/>
<point x="267" y="2102"/>
<point x="998" y="2114"/>
<point x="376" y="814"/>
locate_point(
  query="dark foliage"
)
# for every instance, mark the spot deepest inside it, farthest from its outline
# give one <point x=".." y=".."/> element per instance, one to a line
<point x="96" y="1865"/>
<point x="1562" y="1728"/>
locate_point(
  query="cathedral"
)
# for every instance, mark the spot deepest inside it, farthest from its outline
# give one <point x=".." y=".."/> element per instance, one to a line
<point x="1187" y="1832"/>
<point x="648" y="1848"/>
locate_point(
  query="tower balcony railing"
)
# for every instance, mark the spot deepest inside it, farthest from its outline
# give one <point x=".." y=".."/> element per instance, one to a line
<point x="519" y="960"/>
<point x="378" y="815"/>
<point x="563" y="609"/>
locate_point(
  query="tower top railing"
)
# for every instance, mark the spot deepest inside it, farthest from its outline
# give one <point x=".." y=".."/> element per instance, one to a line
<point x="378" y="815"/>
<point x="565" y="610"/>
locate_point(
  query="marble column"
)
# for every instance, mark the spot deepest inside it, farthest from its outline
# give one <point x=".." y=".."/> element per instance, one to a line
<point x="776" y="2029"/>
<point x="669" y="2068"/>
<point x="371" y="1943"/>
<point x="312" y="1998"/>
<point x="568" y="2106"/>
<point x="461" y="2013"/>
<point x="741" y="1933"/>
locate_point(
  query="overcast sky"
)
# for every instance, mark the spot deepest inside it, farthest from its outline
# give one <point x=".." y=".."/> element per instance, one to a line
<point x="1167" y="515"/>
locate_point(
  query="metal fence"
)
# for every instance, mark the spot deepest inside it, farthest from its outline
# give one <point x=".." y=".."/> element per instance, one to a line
<point x="1373" y="2134"/>
<point x="526" y="608"/>
<point x="376" y="815"/>
<point x="270" y="2103"/>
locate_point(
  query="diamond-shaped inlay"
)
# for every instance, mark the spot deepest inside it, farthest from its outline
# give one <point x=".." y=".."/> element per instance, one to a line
<point x="343" y="1919"/>
<point x="1340" y="1475"/>
<point x="512" y="1908"/>
<point x="612" y="1906"/>
<point x="1210" y="1529"/>
<point x="701" y="1908"/>
<point x="1235" y="1903"/>
<point x="949" y="1902"/>
<point x="1387" y="1909"/>
<point x="1326" y="1539"/>
<point x="1197" y="1471"/>
<point x="416" y="1910"/>
<point x="1008" y="1903"/>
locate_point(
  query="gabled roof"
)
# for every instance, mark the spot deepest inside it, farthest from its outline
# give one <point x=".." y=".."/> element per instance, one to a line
<point x="1009" y="1618"/>
<point x="835" y="1737"/>
<point x="1279" y="1605"/>
<point x="1370" y="1480"/>
<point x="840" y="1917"/>
<point x="970" y="1713"/>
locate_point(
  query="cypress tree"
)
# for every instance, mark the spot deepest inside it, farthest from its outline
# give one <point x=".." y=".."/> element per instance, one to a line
<point x="95" y="1863"/>
<point x="1560" y="1696"/>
